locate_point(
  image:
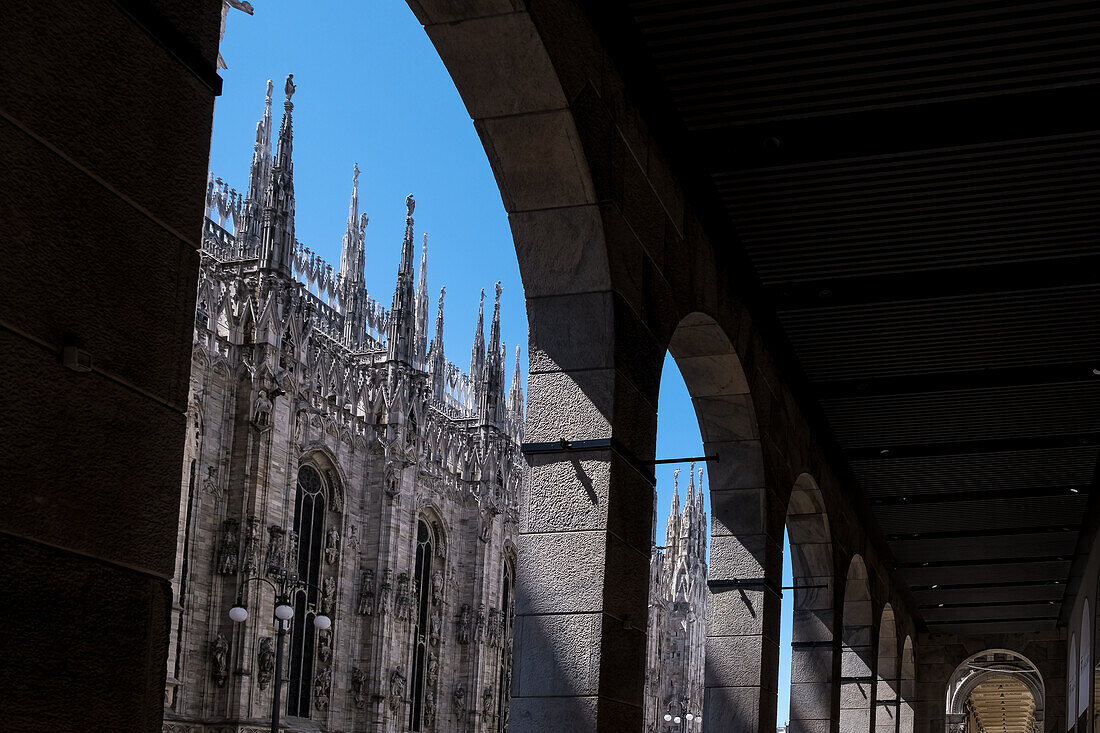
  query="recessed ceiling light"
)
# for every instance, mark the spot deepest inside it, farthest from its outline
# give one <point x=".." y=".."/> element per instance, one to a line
<point x="1073" y="491"/>
<point x="884" y="452"/>
<point x="940" y="606"/>
<point x="1096" y="371"/>
<point x="937" y="585"/>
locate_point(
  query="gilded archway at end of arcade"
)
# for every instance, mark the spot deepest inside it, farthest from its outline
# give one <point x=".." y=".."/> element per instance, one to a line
<point x="987" y="665"/>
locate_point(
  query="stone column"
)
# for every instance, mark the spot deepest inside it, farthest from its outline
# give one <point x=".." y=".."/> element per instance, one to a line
<point x="586" y="524"/>
<point x="745" y="578"/>
<point x="857" y="681"/>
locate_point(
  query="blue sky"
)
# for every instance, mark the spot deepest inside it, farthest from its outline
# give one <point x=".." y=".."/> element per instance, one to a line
<point x="372" y="90"/>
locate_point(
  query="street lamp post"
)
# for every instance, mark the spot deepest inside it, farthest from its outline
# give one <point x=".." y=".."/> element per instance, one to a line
<point x="684" y="718"/>
<point x="284" y="612"/>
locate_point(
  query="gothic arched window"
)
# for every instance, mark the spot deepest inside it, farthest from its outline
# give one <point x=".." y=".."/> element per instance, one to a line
<point x="309" y="529"/>
<point x="422" y="581"/>
<point x="505" y="676"/>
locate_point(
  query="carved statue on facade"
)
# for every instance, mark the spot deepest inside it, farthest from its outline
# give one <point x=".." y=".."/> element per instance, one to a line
<point x="492" y="628"/>
<point x="432" y="672"/>
<point x="487" y="701"/>
<point x="435" y="621"/>
<point x="366" y="593"/>
<point x="210" y="483"/>
<point x="261" y="414"/>
<point x="479" y="623"/>
<point x="227" y="556"/>
<point x="462" y="628"/>
<point x="353" y="538"/>
<point x="324" y="645"/>
<point x="397" y="689"/>
<point x="485" y="525"/>
<point x="252" y="546"/>
<point x="219" y="660"/>
<point x="265" y="662"/>
<point x="401" y="597"/>
<point x="429" y="709"/>
<point x="275" y="535"/>
<point x="384" y="592"/>
<point x="322" y="688"/>
<point x="437" y="587"/>
<point x="359" y="687"/>
<point x="291" y="562"/>
<point x="332" y="545"/>
<point x="328" y="596"/>
<point x="391" y="482"/>
<point x="458" y="701"/>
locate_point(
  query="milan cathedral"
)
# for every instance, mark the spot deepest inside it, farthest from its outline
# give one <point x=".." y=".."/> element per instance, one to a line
<point x="338" y="462"/>
<point x="677" y="631"/>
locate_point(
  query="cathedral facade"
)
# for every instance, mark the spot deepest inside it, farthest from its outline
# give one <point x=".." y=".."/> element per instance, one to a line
<point x="677" y="627"/>
<point x="338" y="462"/>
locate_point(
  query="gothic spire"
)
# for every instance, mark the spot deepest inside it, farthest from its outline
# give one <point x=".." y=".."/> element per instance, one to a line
<point x="352" y="259"/>
<point x="515" y="394"/>
<point x="352" y="254"/>
<point x="494" y="367"/>
<point x="690" y="502"/>
<point x="402" y="328"/>
<point x="437" y="364"/>
<point x="689" y="509"/>
<point x="672" y="532"/>
<point x="258" y="178"/>
<point x="277" y="246"/>
<point x="286" y="130"/>
<point x="477" y="355"/>
<point x="422" y="305"/>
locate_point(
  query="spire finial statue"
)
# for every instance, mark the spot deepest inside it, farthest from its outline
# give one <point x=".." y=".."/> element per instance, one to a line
<point x="355" y="173"/>
<point x="289" y="87"/>
<point x="410" y="204"/>
<point x="270" y="91"/>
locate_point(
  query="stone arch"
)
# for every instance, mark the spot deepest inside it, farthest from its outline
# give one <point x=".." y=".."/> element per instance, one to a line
<point x="745" y="555"/>
<point x="987" y="666"/>
<point x="430" y="514"/>
<point x="856" y="651"/>
<point x="811" y="544"/>
<point x="324" y="460"/>
<point x="907" y="687"/>
<point x="887" y="692"/>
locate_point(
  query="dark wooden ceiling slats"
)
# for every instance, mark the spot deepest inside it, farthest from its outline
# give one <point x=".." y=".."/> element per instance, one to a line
<point x="917" y="185"/>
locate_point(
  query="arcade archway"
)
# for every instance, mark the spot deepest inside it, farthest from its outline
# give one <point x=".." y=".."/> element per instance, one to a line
<point x="995" y="691"/>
